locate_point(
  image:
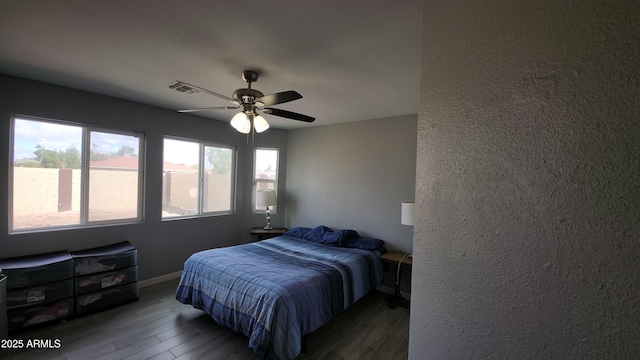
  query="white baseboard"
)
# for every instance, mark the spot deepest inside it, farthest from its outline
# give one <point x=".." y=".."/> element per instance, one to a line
<point x="159" y="279"/>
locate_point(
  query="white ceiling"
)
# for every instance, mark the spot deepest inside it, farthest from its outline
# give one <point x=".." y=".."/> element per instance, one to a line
<point x="351" y="60"/>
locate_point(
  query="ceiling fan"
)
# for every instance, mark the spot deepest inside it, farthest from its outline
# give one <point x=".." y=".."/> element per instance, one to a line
<point x="250" y="102"/>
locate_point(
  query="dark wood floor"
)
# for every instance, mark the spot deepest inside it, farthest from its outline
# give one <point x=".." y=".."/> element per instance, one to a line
<point x="159" y="327"/>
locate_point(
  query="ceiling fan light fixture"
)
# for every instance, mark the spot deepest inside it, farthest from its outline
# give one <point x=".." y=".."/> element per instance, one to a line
<point x="241" y="123"/>
<point x="260" y="124"/>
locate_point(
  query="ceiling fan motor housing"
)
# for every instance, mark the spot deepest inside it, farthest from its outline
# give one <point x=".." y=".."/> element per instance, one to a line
<point x="247" y="95"/>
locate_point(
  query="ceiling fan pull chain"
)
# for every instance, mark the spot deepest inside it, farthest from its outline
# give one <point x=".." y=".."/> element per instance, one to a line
<point x="253" y="130"/>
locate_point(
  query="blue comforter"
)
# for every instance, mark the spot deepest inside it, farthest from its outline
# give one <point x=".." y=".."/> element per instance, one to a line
<point x="275" y="291"/>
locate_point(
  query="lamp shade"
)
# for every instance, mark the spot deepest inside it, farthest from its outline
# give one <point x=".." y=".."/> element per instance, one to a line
<point x="266" y="197"/>
<point x="241" y="123"/>
<point x="406" y="215"/>
<point x="260" y="124"/>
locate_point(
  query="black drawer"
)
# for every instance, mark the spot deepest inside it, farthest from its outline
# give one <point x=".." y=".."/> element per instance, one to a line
<point x="30" y="315"/>
<point x="32" y="270"/>
<point x="105" y="258"/>
<point x="96" y="282"/>
<point x="106" y="298"/>
<point x="40" y="293"/>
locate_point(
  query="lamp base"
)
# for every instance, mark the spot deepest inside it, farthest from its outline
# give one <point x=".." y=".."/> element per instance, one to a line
<point x="268" y="227"/>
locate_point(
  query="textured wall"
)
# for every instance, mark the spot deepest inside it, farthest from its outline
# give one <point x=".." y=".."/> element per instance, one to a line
<point x="528" y="195"/>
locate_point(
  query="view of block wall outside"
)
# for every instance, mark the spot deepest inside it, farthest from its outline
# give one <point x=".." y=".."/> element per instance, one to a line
<point x="113" y="196"/>
<point x="39" y="189"/>
<point x="182" y="196"/>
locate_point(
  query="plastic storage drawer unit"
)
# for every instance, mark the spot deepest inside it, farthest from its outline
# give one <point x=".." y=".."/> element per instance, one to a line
<point x="96" y="282"/>
<point x="105" y="258"/>
<point x="32" y="270"/>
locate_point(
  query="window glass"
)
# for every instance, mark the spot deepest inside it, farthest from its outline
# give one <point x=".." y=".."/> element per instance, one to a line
<point x="265" y="174"/>
<point x="113" y="176"/>
<point x="217" y="184"/>
<point x="49" y="182"/>
<point x="190" y="188"/>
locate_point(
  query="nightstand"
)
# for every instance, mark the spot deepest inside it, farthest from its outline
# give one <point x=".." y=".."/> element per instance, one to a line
<point x="266" y="234"/>
<point x="401" y="259"/>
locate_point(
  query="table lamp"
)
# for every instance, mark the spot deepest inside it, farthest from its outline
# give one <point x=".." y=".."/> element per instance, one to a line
<point x="267" y="197"/>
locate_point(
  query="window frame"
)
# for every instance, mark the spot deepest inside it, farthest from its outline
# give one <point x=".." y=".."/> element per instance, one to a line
<point x="85" y="155"/>
<point x="254" y="186"/>
<point x="202" y="145"/>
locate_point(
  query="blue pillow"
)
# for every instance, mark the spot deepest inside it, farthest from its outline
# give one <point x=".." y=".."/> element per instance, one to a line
<point x="297" y="232"/>
<point x="366" y="244"/>
<point x="323" y="235"/>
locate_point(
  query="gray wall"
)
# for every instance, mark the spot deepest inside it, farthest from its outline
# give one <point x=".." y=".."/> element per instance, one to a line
<point x="162" y="246"/>
<point x="354" y="176"/>
<point x="526" y="244"/>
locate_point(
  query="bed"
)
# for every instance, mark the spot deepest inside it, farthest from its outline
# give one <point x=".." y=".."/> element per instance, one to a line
<point x="276" y="291"/>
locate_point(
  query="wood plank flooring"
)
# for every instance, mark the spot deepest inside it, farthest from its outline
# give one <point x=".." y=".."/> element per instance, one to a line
<point x="158" y="327"/>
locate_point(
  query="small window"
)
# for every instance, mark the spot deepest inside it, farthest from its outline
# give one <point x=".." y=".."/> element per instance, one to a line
<point x="265" y="175"/>
<point x="198" y="178"/>
<point x="69" y="175"/>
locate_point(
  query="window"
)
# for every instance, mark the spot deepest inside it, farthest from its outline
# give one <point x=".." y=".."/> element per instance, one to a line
<point x="198" y="178"/>
<point x="68" y="175"/>
<point x="265" y="174"/>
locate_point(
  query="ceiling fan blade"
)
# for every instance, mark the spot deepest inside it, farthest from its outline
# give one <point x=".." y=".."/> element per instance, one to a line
<point x="288" y="114"/>
<point x="190" y="88"/>
<point x="209" y="108"/>
<point x="279" y="98"/>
